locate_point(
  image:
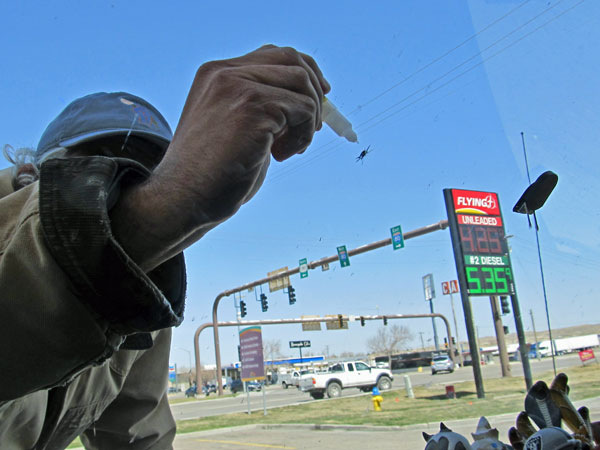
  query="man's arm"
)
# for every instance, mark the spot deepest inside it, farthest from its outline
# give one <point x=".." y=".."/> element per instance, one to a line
<point x="238" y="113"/>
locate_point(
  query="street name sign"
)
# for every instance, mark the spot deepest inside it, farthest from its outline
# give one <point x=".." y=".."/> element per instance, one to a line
<point x="299" y="344"/>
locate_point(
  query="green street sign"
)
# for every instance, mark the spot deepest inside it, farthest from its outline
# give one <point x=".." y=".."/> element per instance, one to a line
<point x="397" y="238"/>
<point x="303" y="263"/>
<point x="343" y="256"/>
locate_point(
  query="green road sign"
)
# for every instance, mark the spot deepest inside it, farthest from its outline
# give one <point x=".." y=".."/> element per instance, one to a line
<point x="343" y="256"/>
<point x="303" y="263"/>
<point x="397" y="238"/>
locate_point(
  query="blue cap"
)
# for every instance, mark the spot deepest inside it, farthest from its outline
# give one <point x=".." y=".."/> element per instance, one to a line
<point x="376" y="391"/>
<point x="104" y="114"/>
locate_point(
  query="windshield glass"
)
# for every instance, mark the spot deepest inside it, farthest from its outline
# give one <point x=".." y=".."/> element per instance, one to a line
<point x="344" y="250"/>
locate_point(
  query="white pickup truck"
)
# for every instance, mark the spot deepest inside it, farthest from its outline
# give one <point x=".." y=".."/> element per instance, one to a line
<point x="353" y="374"/>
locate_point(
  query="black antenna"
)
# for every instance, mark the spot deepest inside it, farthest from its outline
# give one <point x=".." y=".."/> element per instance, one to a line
<point x="525" y="154"/>
<point x="537" y="240"/>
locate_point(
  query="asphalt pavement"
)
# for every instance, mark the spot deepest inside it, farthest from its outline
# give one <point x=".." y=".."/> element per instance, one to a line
<point x="278" y="397"/>
<point x="300" y="437"/>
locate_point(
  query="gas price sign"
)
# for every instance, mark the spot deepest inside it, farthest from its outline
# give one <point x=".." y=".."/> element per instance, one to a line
<point x="479" y="242"/>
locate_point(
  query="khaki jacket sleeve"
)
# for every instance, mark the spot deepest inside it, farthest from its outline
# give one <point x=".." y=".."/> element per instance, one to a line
<point x="70" y="295"/>
<point x="140" y="417"/>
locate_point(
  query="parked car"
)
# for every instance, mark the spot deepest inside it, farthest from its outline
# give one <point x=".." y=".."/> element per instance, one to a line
<point x="236" y="386"/>
<point x="207" y="389"/>
<point x="173" y="390"/>
<point x="442" y="363"/>
<point x="253" y="386"/>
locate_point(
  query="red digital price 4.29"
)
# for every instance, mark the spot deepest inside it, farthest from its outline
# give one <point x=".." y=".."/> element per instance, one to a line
<point x="486" y="240"/>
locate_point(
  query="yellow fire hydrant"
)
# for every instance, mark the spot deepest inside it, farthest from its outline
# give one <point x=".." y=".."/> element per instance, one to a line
<point x="377" y="399"/>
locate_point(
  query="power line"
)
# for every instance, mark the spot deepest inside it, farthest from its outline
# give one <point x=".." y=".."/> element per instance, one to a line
<point x="439" y="58"/>
<point x="336" y="143"/>
<point x="470" y="59"/>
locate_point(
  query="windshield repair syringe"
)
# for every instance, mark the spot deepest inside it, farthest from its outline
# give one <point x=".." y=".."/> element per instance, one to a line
<point x="336" y="121"/>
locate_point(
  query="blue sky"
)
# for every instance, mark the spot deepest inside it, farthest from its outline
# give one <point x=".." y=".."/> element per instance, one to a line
<point x="439" y="90"/>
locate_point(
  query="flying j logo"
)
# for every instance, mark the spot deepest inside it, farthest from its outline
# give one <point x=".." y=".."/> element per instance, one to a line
<point x="475" y="202"/>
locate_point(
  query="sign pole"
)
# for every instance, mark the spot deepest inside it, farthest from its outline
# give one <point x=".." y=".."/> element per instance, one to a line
<point x="460" y="349"/>
<point x="435" y="333"/>
<point x="247" y="396"/>
<point x="522" y="342"/>
<point x="537" y="352"/>
<point x="429" y="291"/>
<point x="498" y="327"/>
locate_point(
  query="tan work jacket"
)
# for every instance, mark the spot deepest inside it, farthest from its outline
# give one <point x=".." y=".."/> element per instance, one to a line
<point x="84" y="334"/>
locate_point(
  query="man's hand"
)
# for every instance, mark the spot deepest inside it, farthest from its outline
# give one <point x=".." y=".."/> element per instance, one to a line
<point x="238" y="113"/>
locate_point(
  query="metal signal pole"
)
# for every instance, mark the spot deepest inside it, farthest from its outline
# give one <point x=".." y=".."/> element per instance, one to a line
<point x="441" y="225"/>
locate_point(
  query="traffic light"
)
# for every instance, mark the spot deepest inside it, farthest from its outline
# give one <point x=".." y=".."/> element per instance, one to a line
<point x="504" y="305"/>
<point x="505" y="327"/>
<point x="243" y="311"/>
<point x="264" y="305"/>
<point x="362" y="321"/>
<point x="292" y="295"/>
<point x="453" y="341"/>
<point x="385" y="320"/>
<point x="445" y="342"/>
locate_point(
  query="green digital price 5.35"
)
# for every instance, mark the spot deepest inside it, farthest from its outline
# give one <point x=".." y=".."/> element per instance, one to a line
<point x="489" y="280"/>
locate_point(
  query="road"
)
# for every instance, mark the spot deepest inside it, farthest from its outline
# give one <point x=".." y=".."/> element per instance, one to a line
<point x="308" y="437"/>
<point x="275" y="396"/>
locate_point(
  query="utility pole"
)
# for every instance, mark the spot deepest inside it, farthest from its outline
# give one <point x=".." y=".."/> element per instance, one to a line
<point x="504" y="364"/>
<point x="422" y="343"/>
<point x="429" y="291"/>
<point x="537" y="350"/>
<point x="435" y="334"/>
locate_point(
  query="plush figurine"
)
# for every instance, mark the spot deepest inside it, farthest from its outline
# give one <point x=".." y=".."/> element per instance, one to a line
<point x="553" y="438"/>
<point x="446" y="439"/>
<point x="549" y="407"/>
<point x="486" y="437"/>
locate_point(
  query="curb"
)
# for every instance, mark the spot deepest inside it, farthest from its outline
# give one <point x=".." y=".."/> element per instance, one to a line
<point x="370" y="428"/>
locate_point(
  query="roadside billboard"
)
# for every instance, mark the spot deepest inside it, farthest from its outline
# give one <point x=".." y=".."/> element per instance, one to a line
<point x="251" y="354"/>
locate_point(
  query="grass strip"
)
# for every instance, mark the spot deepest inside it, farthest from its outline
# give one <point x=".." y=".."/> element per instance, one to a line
<point x="430" y="405"/>
<point x="504" y="395"/>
